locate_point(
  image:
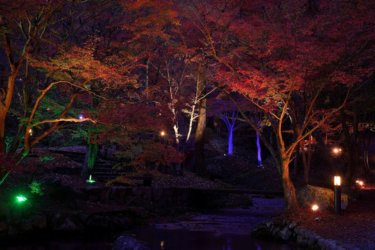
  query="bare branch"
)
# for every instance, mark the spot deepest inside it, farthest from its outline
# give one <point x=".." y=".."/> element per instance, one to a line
<point x="76" y="120"/>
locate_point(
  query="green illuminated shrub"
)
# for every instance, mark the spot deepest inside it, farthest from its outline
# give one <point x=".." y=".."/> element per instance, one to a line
<point x="36" y="188"/>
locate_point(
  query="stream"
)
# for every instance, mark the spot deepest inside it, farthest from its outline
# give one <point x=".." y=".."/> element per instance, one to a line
<point x="225" y="229"/>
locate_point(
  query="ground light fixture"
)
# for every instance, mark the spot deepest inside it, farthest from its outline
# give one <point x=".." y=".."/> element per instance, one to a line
<point x="20" y="199"/>
<point x="337" y="193"/>
<point x="90" y="180"/>
<point x="315" y="207"/>
<point x="162" y="133"/>
<point x="360" y="183"/>
<point x="336" y="151"/>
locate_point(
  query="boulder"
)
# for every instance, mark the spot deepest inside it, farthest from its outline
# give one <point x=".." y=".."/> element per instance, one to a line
<point x="126" y="242"/>
<point x="285" y="233"/>
<point x="324" y="197"/>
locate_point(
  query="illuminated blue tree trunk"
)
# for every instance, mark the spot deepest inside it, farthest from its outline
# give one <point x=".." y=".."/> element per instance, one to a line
<point x="230" y="122"/>
<point x="259" y="150"/>
<point x="230" y="141"/>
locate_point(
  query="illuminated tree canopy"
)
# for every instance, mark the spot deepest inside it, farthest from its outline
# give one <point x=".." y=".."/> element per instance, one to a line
<point x="134" y="68"/>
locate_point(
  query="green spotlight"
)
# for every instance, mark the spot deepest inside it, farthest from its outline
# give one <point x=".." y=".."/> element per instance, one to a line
<point x="90" y="180"/>
<point x="20" y="199"/>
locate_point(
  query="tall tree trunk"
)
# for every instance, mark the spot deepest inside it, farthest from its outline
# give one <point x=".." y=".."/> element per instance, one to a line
<point x="6" y="102"/>
<point x="259" y="149"/>
<point x="200" y="164"/>
<point x="290" y="195"/>
<point x="306" y="168"/>
<point x="2" y="129"/>
<point x="230" y="140"/>
<point x="306" y="153"/>
<point x="351" y="147"/>
<point x="3" y="78"/>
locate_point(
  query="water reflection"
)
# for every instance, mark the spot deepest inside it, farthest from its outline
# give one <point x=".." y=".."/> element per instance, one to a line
<point x="228" y="244"/>
<point x="201" y="240"/>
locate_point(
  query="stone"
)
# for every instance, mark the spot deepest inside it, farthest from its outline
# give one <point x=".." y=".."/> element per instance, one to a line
<point x="126" y="242"/>
<point x="285" y="234"/>
<point x="67" y="225"/>
<point x="292" y="225"/>
<point x="317" y="219"/>
<point x="330" y="244"/>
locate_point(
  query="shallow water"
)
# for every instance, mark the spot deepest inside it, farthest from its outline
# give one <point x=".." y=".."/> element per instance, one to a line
<point x="159" y="239"/>
<point x="227" y="229"/>
<point x="71" y="243"/>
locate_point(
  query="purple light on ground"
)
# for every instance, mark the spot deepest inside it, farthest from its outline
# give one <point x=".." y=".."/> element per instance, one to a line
<point x="81" y="117"/>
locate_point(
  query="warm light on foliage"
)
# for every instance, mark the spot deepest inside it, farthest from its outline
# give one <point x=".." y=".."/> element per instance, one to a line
<point x="138" y="75"/>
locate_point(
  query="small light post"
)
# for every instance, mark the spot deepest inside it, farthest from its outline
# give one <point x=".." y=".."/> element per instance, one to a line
<point x="163" y="136"/>
<point x="337" y="193"/>
<point x="90" y="180"/>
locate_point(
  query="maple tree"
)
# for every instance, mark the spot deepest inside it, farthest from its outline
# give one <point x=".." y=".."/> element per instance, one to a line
<point x="22" y="27"/>
<point x="62" y="67"/>
<point x="291" y="53"/>
<point x="160" y="61"/>
<point x="161" y="27"/>
<point x="135" y="128"/>
<point x="283" y="57"/>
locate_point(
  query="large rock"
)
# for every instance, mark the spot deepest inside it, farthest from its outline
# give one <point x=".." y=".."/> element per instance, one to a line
<point x="309" y="195"/>
<point x="289" y="231"/>
<point x="126" y="242"/>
